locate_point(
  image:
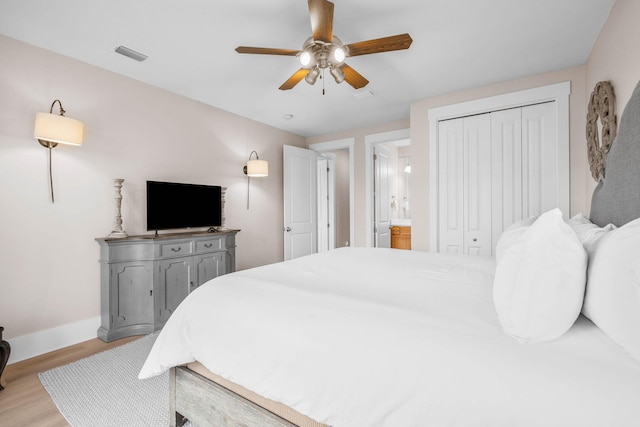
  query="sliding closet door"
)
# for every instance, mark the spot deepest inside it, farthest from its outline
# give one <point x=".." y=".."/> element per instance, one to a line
<point x="464" y="185"/>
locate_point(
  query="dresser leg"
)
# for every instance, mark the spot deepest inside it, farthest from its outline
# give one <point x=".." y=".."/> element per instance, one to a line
<point x="5" y="351"/>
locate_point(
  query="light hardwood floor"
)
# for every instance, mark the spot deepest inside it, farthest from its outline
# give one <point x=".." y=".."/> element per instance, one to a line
<point x="24" y="402"/>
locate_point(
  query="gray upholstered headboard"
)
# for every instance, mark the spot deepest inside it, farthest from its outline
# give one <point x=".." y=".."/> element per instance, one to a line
<point x="616" y="199"/>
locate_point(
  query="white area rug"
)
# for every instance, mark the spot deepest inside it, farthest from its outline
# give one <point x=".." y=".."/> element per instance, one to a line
<point x="104" y="389"/>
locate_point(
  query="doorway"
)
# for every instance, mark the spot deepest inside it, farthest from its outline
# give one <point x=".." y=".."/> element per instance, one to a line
<point x="389" y="198"/>
<point x="336" y="208"/>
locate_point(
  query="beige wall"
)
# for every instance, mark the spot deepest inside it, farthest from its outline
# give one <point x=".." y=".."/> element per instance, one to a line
<point x="48" y="256"/>
<point x="342" y="198"/>
<point x="614" y="57"/>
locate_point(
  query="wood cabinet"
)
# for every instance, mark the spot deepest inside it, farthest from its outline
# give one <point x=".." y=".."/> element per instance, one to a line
<point x="400" y="237"/>
<point x="144" y="278"/>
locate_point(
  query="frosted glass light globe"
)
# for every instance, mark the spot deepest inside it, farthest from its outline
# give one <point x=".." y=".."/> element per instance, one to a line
<point x="305" y="58"/>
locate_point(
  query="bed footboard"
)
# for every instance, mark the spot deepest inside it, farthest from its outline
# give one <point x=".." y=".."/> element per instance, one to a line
<point x="207" y="403"/>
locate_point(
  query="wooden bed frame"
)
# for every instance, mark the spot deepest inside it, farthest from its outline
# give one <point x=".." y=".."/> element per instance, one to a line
<point x="206" y="403"/>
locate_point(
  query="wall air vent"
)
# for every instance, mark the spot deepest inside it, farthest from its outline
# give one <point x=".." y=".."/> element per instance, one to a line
<point x="130" y="53"/>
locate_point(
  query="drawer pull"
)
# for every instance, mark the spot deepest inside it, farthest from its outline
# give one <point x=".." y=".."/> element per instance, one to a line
<point x="176" y="249"/>
<point x="208" y="245"/>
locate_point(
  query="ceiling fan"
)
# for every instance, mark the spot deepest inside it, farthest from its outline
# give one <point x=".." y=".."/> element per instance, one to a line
<point x="324" y="50"/>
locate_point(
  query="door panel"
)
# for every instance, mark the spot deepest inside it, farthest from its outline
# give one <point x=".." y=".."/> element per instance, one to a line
<point x="450" y="186"/>
<point x="132" y="296"/>
<point x="506" y="159"/>
<point x="300" y="224"/>
<point x="176" y="277"/>
<point x="477" y="185"/>
<point x="208" y="267"/>
<point x="381" y="196"/>
<point x="540" y="159"/>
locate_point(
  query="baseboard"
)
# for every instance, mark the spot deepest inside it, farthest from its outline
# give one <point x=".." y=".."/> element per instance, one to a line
<point x="28" y="346"/>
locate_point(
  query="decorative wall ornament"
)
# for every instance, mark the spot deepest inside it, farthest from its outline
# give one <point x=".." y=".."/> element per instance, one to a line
<point x="602" y="105"/>
<point x="118" y="231"/>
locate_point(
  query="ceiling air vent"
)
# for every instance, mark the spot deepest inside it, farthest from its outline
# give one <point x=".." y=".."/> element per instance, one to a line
<point x="130" y="53"/>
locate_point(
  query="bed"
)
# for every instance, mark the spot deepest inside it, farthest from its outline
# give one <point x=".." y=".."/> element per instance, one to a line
<point x="381" y="337"/>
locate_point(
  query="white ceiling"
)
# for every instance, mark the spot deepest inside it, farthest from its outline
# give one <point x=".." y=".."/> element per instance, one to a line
<point x="457" y="44"/>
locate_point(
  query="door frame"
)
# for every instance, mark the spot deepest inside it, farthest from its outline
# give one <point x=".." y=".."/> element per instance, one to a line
<point x="349" y="145"/>
<point x="558" y="93"/>
<point x="369" y="142"/>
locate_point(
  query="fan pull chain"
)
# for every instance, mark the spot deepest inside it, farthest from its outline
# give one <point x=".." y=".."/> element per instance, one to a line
<point x="322" y="77"/>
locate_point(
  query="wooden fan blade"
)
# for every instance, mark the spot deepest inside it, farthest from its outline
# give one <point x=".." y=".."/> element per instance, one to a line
<point x="294" y="79"/>
<point x="353" y="77"/>
<point x="385" y="44"/>
<point x="266" y="51"/>
<point x="321" y="14"/>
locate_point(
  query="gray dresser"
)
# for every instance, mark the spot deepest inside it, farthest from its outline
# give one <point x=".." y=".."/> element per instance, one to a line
<point x="143" y="279"/>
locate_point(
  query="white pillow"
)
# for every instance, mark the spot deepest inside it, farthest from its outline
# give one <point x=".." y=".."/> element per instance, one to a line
<point x="588" y="232"/>
<point x="612" y="300"/>
<point x="539" y="283"/>
<point x="511" y="235"/>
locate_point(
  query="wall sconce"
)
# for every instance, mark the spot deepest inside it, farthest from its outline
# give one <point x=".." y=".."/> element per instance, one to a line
<point x="51" y="129"/>
<point x="255" y="168"/>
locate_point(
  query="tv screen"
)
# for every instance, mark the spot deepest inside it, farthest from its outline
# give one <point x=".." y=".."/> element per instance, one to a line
<point x="176" y="205"/>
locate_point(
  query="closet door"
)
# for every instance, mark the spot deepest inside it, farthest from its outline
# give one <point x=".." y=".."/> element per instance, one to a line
<point x="450" y="186"/>
<point x="524" y="157"/>
<point x="506" y="171"/>
<point x="540" y="180"/>
<point x="477" y="185"/>
<point x="464" y="185"/>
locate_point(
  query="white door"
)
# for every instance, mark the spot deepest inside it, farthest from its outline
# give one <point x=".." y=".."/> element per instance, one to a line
<point x="477" y="185"/>
<point x="506" y="154"/>
<point x="300" y="225"/>
<point x="450" y="185"/>
<point x="540" y="159"/>
<point x="382" y="214"/>
<point x="524" y="164"/>
<point x="464" y="185"/>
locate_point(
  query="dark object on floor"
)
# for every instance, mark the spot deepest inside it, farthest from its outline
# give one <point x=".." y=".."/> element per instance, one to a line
<point x="5" y="351"/>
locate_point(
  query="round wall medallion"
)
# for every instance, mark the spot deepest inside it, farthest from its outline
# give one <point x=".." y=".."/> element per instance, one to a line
<point x="602" y="105"/>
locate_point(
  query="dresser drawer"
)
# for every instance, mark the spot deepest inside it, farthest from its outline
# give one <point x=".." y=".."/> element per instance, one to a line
<point x="209" y="245"/>
<point x="173" y="249"/>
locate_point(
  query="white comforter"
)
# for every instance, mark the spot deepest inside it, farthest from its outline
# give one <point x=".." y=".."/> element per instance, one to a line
<point x="375" y="337"/>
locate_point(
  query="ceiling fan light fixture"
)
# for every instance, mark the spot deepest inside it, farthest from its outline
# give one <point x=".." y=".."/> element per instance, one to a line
<point x="337" y="74"/>
<point x="305" y="58"/>
<point x="339" y="55"/>
<point x="312" y="76"/>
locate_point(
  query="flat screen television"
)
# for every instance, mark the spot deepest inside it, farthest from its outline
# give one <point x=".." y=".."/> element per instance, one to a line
<point x="176" y="205"/>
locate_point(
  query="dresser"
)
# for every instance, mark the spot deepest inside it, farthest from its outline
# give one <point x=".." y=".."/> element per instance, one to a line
<point x="143" y="279"/>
